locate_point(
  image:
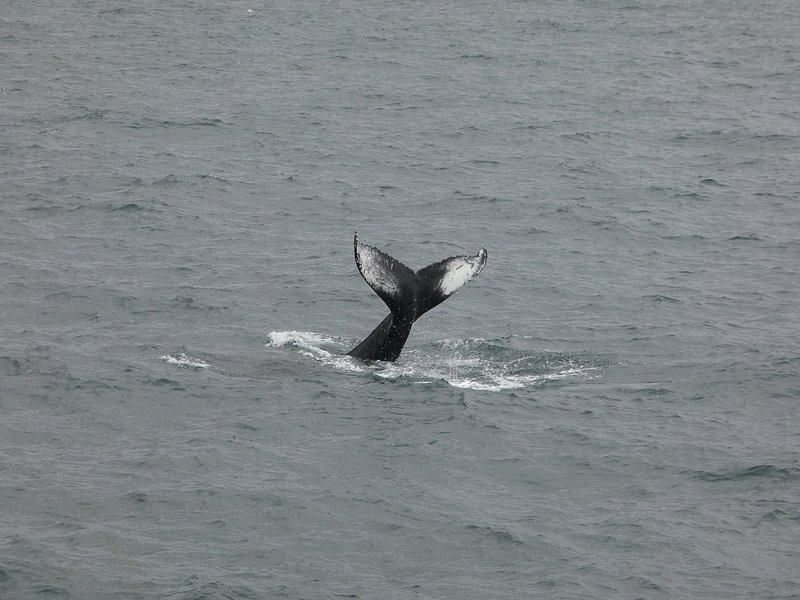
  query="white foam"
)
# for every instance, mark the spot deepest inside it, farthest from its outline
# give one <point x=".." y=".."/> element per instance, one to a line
<point x="471" y="372"/>
<point x="309" y="344"/>
<point x="498" y="382"/>
<point x="184" y="360"/>
<point x="459" y="363"/>
<point x="302" y="339"/>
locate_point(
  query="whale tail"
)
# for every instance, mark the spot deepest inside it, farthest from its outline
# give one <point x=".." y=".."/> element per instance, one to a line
<point x="408" y="294"/>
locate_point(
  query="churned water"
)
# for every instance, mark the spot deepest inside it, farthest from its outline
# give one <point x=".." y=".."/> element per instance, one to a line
<point x="610" y="410"/>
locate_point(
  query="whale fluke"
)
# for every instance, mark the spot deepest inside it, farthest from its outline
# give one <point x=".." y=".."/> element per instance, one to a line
<point x="408" y="294"/>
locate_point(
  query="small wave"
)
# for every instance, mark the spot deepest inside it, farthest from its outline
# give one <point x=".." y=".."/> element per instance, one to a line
<point x="477" y="364"/>
<point x="491" y="536"/>
<point x="211" y="176"/>
<point x="89" y="115"/>
<point x="300" y="339"/>
<point x="186" y="361"/>
<point x="187" y="304"/>
<point x="780" y="516"/>
<point x="10" y="366"/>
<point x="129" y="207"/>
<point x="148" y="123"/>
<point x="749" y="236"/>
<point x="170" y="179"/>
<point x="311" y="344"/>
<point x="661" y="298"/>
<point x="769" y="471"/>
<point x="195" y="587"/>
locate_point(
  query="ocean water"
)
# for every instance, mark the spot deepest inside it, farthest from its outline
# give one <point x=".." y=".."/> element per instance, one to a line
<point x="610" y="410"/>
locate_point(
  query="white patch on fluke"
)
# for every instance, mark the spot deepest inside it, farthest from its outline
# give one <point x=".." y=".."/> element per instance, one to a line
<point x="376" y="269"/>
<point x="460" y="270"/>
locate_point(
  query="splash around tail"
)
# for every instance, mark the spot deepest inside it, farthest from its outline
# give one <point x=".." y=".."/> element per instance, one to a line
<point x="485" y="365"/>
<point x="407" y="293"/>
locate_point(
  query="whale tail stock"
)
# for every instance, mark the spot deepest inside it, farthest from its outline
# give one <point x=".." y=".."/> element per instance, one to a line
<point x="408" y="294"/>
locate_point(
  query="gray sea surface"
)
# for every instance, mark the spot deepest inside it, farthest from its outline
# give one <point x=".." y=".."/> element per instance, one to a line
<point x="610" y="410"/>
